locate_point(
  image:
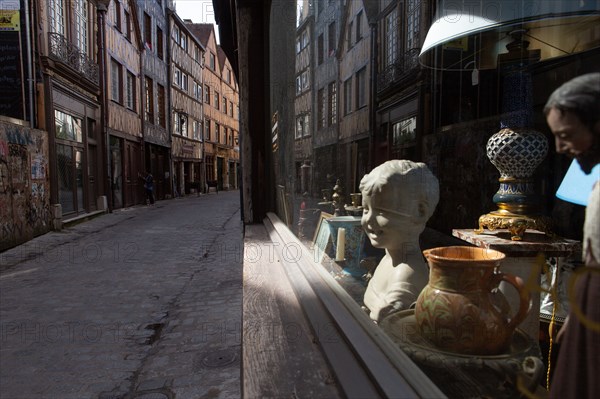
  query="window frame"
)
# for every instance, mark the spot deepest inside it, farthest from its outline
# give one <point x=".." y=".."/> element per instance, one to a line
<point x="130" y="97"/>
<point x="149" y="92"/>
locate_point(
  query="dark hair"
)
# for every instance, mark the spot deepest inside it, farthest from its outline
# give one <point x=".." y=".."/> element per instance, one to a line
<point x="581" y="96"/>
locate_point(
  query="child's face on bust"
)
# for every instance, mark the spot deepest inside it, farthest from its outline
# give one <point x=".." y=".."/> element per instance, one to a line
<point x="387" y="218"/>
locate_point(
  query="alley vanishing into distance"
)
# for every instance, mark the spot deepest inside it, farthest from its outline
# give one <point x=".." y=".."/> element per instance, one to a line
<point x="144" y="302"/>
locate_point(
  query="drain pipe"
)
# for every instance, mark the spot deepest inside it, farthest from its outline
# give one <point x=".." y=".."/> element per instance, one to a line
<point x="29" y="65"/>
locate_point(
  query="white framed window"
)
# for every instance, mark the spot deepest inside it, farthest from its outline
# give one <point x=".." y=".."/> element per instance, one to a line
<point x="332" y="105"/>
<point x="207" y="129"/>
<point x="321" y="106"/>
<point x="306" y="125"/>
<point x="361" y="88"/>
<point x="184" y="41"/>
<point x="116" y="81"/>
<point x="184" y="81"/>
<point x="348" y="96"/>
<point x="130" y="87"/>
<point x="390" y="38"/>
<point x="80" y="10"/>
<point x="57" y="16"/>
<point x="299" y="126"/>
<point x="149" y="89"/>
<point x="177" y="77"/>
<point x="413" y="23"/>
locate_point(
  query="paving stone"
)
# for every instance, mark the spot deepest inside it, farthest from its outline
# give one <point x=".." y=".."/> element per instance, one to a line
<point x="75" y="305"/>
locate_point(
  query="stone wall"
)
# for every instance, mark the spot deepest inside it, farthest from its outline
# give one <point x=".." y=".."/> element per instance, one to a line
<point x="25" y="210"/>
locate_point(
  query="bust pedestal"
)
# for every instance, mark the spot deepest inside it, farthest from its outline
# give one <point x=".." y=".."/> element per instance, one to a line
<point x="524" y="259"/>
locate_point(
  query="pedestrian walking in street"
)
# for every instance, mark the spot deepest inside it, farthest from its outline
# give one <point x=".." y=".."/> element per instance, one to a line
<point x="149" y="187"/>
<point x="573" y="115"/>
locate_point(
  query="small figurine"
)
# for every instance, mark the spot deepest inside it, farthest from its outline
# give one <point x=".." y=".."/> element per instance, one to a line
<point x="398" y="198"/>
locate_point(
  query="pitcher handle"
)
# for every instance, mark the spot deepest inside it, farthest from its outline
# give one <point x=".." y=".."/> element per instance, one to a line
<point x="524" y="299"/>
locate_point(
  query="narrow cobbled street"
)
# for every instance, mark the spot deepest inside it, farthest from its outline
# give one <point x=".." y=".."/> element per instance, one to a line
<point x="144" y="302"/>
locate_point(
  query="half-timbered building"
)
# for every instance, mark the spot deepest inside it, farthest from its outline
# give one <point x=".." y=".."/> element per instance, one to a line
<point x="123" y="67"/>
<point x="355" y="112"/>
<point x="186" y="74"/>
<point x="221" y="111"/>
<point x="152" y="17"/>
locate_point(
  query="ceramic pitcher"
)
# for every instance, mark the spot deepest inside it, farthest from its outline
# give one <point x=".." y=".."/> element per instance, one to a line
<point x="461" y="309"/>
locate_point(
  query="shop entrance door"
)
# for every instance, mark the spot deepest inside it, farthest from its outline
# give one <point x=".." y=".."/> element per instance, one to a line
<point x="70" y="178"/>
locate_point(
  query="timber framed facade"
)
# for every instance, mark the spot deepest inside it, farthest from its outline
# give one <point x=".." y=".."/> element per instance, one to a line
<point x="221" y="112"/>
<point x="152" y="18"/>
<point x="187" y="109"/>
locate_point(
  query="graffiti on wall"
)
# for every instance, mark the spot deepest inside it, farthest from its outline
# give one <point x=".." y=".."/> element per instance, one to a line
<point x="24" y="190"/>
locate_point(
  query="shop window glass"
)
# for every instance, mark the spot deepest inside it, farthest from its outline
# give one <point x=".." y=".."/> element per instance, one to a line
<point x="68" y="127"/>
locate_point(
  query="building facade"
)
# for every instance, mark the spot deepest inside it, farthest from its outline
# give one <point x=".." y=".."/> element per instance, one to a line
<point x="354" y="57"/>
<point x="303" y="103"/>
<point x="186" y="106"/>
<point x="327" y="167"/>
<point x="153" y="21"/>
<point x="221" y="111"/>
<point x="123" y="113"/>
<point x="70" y="104"/>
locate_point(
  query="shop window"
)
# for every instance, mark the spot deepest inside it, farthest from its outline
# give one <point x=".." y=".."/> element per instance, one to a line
<point x="67" y="127"/>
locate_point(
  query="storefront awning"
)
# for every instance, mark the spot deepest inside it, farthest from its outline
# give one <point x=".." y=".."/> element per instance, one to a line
<point x="470" y="34"/>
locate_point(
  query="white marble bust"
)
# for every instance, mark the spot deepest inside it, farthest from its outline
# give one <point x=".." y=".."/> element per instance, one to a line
<point x="398" y="197"/>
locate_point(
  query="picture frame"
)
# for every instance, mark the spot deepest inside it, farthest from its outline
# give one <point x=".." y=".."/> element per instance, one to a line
<point x="322" y="243"/>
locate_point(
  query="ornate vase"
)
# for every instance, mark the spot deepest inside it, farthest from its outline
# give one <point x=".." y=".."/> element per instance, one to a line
<point x="516" y="153"/>
<point x="461" y="310"/>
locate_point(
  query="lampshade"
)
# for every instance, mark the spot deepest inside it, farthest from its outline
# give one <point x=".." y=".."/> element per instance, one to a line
<point x="576" y="186"/>
<point x="468" y="34"/>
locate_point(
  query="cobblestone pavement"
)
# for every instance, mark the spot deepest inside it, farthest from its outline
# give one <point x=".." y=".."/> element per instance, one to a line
<point x="144" y="302"/>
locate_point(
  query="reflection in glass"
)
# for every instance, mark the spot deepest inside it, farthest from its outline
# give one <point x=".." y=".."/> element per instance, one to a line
<point x="68" y="127"/>
<point x="79" y="178"/>
<point x="64" y="160"/>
